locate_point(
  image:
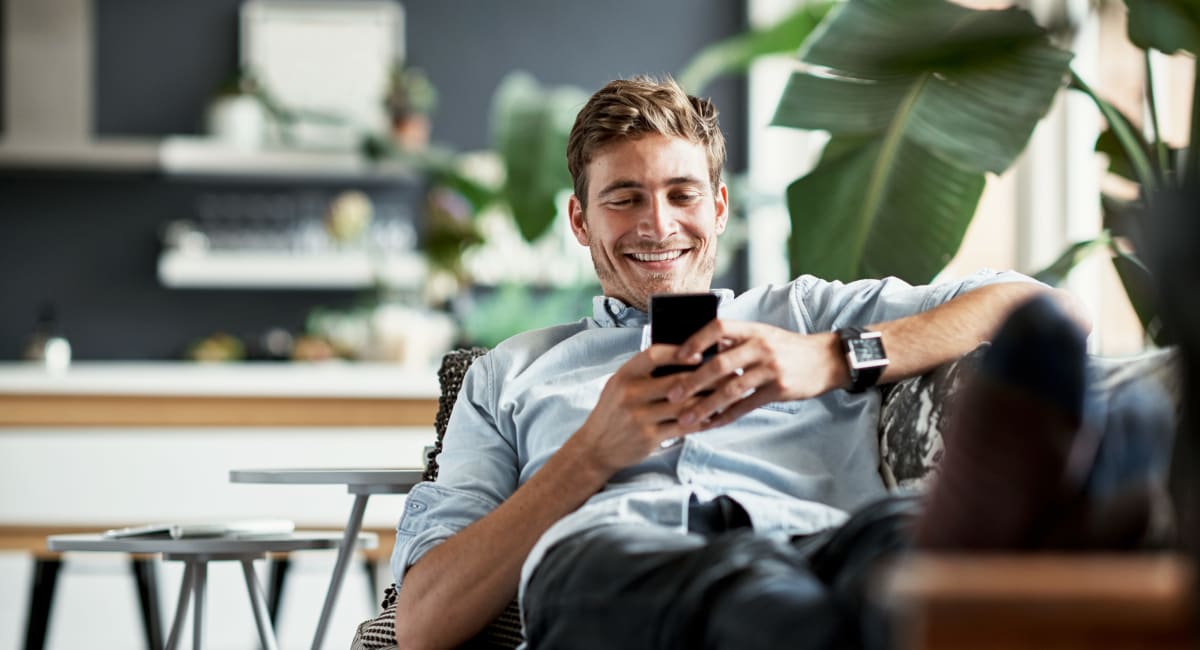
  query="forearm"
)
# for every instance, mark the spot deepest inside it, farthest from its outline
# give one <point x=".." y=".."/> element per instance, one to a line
<point x="458" y="587"/>
<point x="919" y="343"/>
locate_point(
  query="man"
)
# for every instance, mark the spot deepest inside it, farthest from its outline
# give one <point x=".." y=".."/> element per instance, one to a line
<point x="559" y="478"/>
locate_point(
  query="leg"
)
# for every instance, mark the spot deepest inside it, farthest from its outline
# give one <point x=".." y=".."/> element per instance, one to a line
<point x="41" y="597"/>
<point x="277" y="571"/>
<point x="266" y="633"/>
<point x="145" y="570"/>
<point x="642" y="587"/>
<point x="372" y="582"/>
<point x="200" y="586"/>
<point x="339" y="569"/>
<point x="1027" y="465"/>
<point x="181" y="607"/>
<point x="1005" y="466"/>
<point x="847" y="558"/>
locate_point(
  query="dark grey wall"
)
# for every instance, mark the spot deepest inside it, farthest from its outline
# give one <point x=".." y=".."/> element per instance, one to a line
<point x="467" y="47"/>
<point x="89" y="242"/>
<point x="159" y="63"/>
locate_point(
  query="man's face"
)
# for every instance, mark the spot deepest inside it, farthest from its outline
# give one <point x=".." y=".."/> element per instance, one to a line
<point x="652" y="218"/>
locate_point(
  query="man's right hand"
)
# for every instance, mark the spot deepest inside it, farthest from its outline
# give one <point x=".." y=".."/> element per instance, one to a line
<point x="633" y="416"/>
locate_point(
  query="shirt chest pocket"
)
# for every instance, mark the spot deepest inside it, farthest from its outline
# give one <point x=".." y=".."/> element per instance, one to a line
<point x="794" y="406"/>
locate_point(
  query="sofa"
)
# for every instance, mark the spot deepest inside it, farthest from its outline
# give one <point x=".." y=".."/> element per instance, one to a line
<point x="913" y="416"/>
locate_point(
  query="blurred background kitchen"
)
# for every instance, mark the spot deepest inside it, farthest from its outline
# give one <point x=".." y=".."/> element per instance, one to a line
<point x="318" y="199"/>
<point x="183" y="180"/>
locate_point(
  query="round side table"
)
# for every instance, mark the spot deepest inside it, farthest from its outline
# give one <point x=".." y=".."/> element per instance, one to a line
<point x="196" y="553"/>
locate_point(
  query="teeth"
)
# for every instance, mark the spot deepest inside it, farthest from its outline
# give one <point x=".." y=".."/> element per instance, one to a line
<point x="656" y="257"/>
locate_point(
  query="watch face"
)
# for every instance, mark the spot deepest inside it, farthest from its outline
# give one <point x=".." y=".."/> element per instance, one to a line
<point x="867" y="351"/>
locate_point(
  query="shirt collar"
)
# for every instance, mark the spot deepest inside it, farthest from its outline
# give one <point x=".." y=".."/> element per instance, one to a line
<point x="612" y="312"/>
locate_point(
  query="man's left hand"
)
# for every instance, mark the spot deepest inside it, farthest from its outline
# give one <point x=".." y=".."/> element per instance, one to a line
<point x="755" y="364"/>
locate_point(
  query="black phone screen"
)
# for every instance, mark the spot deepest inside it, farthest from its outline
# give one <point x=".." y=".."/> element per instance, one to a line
<point x="674" y="317"/>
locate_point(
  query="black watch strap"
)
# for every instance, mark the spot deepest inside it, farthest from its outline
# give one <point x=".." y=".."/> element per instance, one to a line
<point x="864" y="378"/>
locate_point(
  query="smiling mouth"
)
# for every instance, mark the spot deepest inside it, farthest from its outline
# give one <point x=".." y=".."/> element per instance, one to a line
<point x="664" y="256"/>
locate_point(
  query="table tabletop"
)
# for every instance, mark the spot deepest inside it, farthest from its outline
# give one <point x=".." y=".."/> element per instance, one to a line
<point x="297" y="541"/>
<point x="398" y="478"/>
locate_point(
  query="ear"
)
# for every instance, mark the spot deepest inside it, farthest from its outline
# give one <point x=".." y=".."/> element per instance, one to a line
<point x="722" y="204"/>
<point x="578" y="222"/>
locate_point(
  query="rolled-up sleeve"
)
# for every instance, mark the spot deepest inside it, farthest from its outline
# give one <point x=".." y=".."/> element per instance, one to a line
<point x="825" y="306"/>
<point x="477" y="471"/>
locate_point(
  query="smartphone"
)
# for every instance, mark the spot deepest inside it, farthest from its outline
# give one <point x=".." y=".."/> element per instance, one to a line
<point x="675" y="317"/>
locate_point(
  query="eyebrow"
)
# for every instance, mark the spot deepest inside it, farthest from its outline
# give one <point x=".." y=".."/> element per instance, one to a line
<point x="629" y="183"/>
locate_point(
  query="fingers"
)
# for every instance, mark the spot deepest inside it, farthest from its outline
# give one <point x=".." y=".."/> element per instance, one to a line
<point x="721" y="368"/>
<point x="737" y="395"/>
<point x="644" y="362"/>
<point x="717" y="332"/>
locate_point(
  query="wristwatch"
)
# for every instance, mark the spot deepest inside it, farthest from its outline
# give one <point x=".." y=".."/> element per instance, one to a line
<point x="865" y="357"/>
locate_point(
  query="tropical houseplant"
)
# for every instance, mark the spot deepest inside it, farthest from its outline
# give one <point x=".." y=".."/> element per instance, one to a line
<point x="921" y="99"/>
<point x="1142" y="156"/>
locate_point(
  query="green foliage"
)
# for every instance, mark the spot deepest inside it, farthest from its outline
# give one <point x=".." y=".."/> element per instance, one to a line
<point x="1169" y="26"/>
<point x="1165" y="25"/>
<point x="921" y="97"/>
<point x="1057" y="272"/>
<point x="513" y="308"/>
<point x="530" y="125"/>
<point x="734" y="55"/>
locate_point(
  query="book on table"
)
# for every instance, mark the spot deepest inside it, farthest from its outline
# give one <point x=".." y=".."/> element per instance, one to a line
<point x="190" y="530"/>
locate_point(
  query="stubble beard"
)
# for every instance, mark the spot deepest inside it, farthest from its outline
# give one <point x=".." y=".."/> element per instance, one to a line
<point x="639" y="297"/>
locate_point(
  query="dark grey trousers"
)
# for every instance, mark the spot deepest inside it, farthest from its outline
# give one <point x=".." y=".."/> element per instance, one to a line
<point x="719" y="586"/>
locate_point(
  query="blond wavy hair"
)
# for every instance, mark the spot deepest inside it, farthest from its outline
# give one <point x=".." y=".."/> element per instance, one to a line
<point x="632" y="108"/>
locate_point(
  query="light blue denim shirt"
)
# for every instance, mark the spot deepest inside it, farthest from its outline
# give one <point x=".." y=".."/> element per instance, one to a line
<point x="796" y="467"/>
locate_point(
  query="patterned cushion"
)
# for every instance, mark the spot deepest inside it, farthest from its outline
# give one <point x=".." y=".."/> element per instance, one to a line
<point x="914" y="414"/>
<point x="379" y="633"/>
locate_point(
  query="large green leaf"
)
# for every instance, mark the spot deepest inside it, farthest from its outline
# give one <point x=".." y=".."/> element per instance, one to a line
<point x="1119" y="162"/>
<point x="851" y="221"/>
<point x="1123" y="218"/>
<point x="1133" y="143"/>
<point x="1140" y="288"/>
<point x="735" y="54"/>
<point x="969" y="85"/>
<point x="1165" y="25"/>
<point x="531" y="125"/>
<point x="921" y="97"/>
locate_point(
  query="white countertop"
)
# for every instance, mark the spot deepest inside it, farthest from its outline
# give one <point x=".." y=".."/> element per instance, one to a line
<point x="250" y="379"/>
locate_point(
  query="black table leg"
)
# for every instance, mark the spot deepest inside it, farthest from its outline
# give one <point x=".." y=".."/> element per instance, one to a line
<point x="277" y="571"/>
<point x="41" y="597"/>
<point x="372" y="582"/>
<point x="145" y="571"/>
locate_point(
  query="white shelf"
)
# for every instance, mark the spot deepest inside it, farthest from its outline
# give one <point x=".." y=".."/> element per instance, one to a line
<point x="194" y="156"/>
<point x="185" y="156"/>
<point x="282" y="270"/>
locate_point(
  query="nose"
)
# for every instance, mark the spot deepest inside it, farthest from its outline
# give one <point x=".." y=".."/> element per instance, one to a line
<point x="658" y="220"/>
